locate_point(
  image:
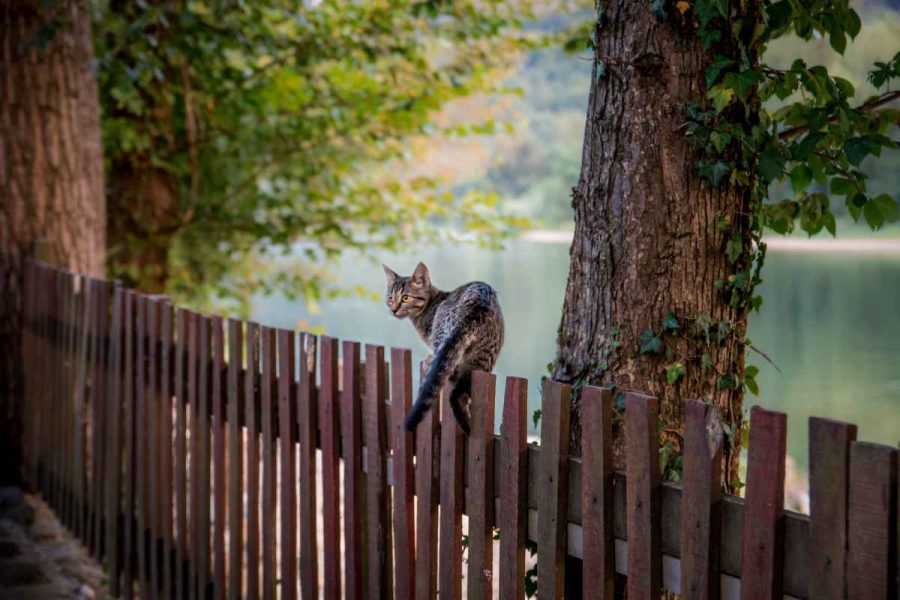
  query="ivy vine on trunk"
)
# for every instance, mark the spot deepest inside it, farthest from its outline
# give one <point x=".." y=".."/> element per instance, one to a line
<point x="682" y="147"/>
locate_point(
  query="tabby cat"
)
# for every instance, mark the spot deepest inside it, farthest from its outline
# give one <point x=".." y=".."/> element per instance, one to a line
<point x="463" y="328"/>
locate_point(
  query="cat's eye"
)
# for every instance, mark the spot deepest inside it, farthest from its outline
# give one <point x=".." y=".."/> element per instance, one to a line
<point x="404" y="298"/>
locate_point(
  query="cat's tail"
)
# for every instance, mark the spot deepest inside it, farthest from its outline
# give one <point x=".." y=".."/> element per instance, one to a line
<point x="445" y="362"/>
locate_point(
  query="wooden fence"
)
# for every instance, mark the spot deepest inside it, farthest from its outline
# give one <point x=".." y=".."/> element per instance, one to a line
<point x="188" y="453"/>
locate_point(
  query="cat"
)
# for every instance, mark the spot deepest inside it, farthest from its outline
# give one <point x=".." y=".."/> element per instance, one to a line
<point x="463" y="328"/>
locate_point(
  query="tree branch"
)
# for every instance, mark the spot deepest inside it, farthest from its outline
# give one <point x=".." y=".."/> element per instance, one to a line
<point x="886" y="98"/>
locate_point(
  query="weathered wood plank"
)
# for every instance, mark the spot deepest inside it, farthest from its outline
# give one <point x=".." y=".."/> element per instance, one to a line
<point x="829" y="463"/>
<point x="701" y="501"/>
<point x="80" y="455"/>
<point x="451" y="498"/>
<point x="200" y="558"/>
<point x="220" y="497"/>
<point x="167" y="491"/>
<point x="99" y="403"/>
<point x="553" y="478"/>
<point x="330" y="413"/>
<point x="130" y="458"/>
<point x="480" y="504"/>
<point x="872" y="551"/>
<point x="235" y="461"/>
<point x="151" y="431"/>
<point x="113" y="464"/>
<point x="269" y="477"/>
<point x="762" y="549"/>
<point x="351" y="434"/>
<point x="307" y="419"/>
<point x="377" y="509"/>
<point x="513" y="489"/>
<point x="643" y="498"/>
<point x="252" y="431"/>
<point x="597" y="493"/>
<point x="184" y="384"/>
<point x="287" y="417"/>
<point x="427" y="468"/>
<point x="141" y="483"/>
<point x="403" y="493"/>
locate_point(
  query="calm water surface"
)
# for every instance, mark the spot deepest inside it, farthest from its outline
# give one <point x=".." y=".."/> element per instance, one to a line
<point x="831" y="322"/>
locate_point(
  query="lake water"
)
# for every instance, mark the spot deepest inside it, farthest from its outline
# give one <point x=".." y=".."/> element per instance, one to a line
<point x="830" y="321"/>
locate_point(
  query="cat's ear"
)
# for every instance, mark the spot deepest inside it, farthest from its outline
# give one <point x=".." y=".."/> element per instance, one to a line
<point x="391" y="276"/>
<point x="420" y="277"/>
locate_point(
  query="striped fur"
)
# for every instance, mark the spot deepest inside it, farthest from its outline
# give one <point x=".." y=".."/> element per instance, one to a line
<point x="463" y="328"/>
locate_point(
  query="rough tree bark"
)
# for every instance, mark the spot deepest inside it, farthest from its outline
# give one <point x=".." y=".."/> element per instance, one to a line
<point x="646" y="239"/>
<point x="51" y="169"/>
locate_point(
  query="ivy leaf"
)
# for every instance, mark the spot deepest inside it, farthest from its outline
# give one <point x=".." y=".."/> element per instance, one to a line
<point x="840" y="186"/>
<point x="888" y="207"/>
<point x="801" y="177"/>
<point x="715" y="68"/>
<point x="873" y="215"/>
<point x="649" y="343"/>
<point x="719" y="140"/>
<point x="837" y="38"/>
<point x="670" y="323"/>
<point x="779" y="14"/>
<point x="674" y="372"/>
<point x="856" y="149"/>
<point x="771" y="164"/>
<point x="536" y="416"/>
<point x="742" y="82"/>
<point x="720" y="96"/>
<point x="714" y="173"/>
<point x="733" y="249"/>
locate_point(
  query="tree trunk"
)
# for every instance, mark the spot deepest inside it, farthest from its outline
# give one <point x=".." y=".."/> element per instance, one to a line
<point x="51" y="170"/>
<point x="646" y="242"/>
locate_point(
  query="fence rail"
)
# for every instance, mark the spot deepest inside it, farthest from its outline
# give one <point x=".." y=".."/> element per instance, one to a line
<point x="187" y="452"/>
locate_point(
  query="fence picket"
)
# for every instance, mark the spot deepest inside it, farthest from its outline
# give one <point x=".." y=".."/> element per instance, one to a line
<point x="701" y="501"/>
<point x="829" y="464"/>
<point x="80" y="455"/>
<point x="329" y="412"/>
<point x="98" y="404"/>
<point x="269" y="483"/>
<point x="308" y="421"/>
<point x="553" y="488"/>
<point x="427" y="468"/>
<point x="597" y="492"/>
<point x="351" y="434"/>
<point x="644" y="496"/>
<point x="251" y="410"/>
<point x="762" y="551"/>
<point x="235" y="462"/>
<point x="513" y="489"/>
<point x="185" y="332"/>
<point x="480" y="502"/>
<point x="151" y="521"/>
<point x="220" y="492"/>
<point x="377" y="509"/>
<point x="165" y="446"/>
<point x="451" y="497"/>
<point x="130" y="459"/>
<point x="113" y="466"/>
<point x="201" y="518"/>
<point x="402" y="462"/>
<point x="872" y="552"/>
<point x="141" y="487"/>
<point x="287" y="417"/>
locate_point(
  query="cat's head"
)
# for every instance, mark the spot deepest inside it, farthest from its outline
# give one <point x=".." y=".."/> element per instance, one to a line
<point x="408" y="296"/>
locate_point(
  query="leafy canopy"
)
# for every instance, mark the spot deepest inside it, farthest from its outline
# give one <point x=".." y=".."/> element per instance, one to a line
<point x="284" y="124"/>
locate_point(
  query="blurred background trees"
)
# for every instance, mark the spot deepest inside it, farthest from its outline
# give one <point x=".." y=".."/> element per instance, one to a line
<point x="235" y="130"/>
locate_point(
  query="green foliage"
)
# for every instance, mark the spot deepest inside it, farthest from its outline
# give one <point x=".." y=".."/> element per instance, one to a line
<point x="282" y="125"/>
<point x="766" y="124"/>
